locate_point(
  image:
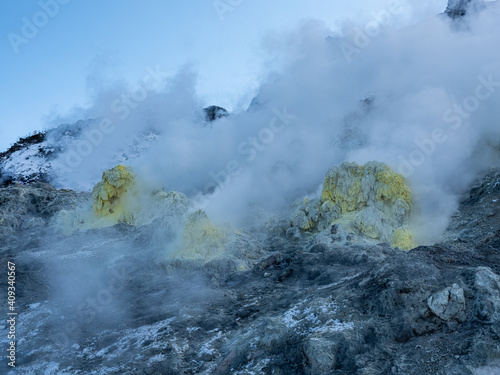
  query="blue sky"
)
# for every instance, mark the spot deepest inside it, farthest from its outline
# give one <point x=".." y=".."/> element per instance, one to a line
<point x="84" y="44"/>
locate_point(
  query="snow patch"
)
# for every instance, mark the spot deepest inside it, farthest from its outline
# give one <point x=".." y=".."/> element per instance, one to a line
<point x="314" y="317"/>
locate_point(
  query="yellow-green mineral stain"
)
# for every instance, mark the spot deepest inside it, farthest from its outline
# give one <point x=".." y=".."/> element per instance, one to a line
<point x="108" y="196"/>
<point x="367" y="195"/>
<point x="404" y="239"/>
<point x="201" y="239"/>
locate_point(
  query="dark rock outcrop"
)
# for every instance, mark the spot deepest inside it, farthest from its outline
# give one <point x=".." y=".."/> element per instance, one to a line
<point x="459" y="8"/>
<point x="214" y="112"/>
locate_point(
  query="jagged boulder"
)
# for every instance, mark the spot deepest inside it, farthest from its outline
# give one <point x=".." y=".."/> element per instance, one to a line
<point x="320" y="353"/>
<point x="448" y="303"/>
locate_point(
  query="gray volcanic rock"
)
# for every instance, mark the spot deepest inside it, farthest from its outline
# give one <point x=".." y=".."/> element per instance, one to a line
<point x="478" y="220"/>
<point x="24" y="207"/>
<point x="114" y="299"/>
<point x="487" y="287"/>
<point x="448" y="303"/>
<point x="459" y="8"/>
<point x="110" y="301"/>
<point x="214" y="112"/>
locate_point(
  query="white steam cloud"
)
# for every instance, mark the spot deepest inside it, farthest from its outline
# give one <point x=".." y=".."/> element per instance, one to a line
<point x="423" y="99"/>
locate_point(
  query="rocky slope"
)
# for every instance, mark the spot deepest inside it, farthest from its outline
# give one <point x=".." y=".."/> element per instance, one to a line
<point x="108" y="301"/>
<point x="132" y="293"/>
<point x="34" y="158"/>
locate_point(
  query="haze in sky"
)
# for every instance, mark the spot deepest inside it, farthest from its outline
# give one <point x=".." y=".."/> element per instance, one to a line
<point x="57" y="54"/>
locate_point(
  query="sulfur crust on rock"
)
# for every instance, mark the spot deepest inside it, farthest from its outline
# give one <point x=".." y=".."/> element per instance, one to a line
<point x="342" y="186"/>
<point x="351" y="186"/>
<point x="392" y="186"/>
<point x="201" y="239"/>
<point x="371" y="200"/>
<point x="109" y="196"/>
<point x="120" y="197"/>
<point x="404" y="239"/>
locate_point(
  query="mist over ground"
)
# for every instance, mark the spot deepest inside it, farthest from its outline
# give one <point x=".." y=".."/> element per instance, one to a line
<point x="422" y="98"/>
<point x="234" y="277"/>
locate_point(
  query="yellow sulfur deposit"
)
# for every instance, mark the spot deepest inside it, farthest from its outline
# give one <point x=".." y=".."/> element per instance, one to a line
<point x="110" y="196"/>
<point x="201" y="239"/>
<point x="373" y="200"/>
<point x="404" y="239"/>
<point x="352" y="186"/>
<point x="122" y="197"/>
<point x="342" y="186"/>
<point x="370" y="200"/>
<point x="392" y="186"/>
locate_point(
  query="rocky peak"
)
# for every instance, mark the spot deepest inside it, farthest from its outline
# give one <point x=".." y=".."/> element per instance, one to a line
<point x="214" y="112"/>
<point x="459" y="8"/>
